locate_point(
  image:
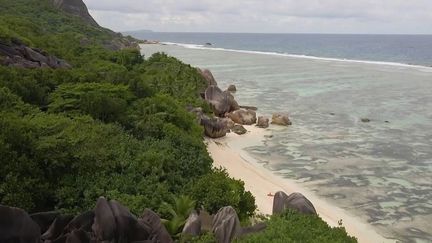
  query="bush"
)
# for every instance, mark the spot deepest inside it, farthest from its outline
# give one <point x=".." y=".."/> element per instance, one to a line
<point x="103" y="101"/>
<point x="292" y="226"/>
<point x="216" y="190"/>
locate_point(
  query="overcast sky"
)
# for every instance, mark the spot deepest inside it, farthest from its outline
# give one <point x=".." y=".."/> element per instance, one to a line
<point x="284" y="16"/>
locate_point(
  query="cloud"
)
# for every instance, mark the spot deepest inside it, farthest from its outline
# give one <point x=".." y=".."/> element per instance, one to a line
<point x="329" y="16"/>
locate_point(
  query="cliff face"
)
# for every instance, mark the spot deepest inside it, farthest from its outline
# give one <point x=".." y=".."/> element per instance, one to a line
<point x="75" y="7"/>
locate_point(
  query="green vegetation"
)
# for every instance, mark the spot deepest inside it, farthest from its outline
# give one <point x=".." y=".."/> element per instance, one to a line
<point x="292" y="226"/>
<point x="178" y="212"/>
<point x="114" y="125"/>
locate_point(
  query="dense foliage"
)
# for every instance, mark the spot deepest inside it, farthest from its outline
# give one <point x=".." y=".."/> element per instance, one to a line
<point x="114" y="125"/>
<point x="292" y="226"/>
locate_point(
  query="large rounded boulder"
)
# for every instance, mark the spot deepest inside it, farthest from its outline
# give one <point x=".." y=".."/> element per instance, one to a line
<point x="214" y="127"/>
<point x="226" y="225"/>
<point x="243" y="117"/>
<point x="295" y="201"/>
<point x="221" y="102"/>
<point x="17" y="226"/>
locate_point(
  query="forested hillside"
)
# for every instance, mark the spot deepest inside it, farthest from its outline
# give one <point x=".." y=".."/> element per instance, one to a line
<point x="114" y="124"/>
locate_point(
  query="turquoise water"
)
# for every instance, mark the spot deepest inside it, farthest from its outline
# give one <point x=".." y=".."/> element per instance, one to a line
<point x="380" y="171"/>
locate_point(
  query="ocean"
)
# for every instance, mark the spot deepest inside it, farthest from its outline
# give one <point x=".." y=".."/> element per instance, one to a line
<point x="405" y="49"/>
<point x="379" y="171"/>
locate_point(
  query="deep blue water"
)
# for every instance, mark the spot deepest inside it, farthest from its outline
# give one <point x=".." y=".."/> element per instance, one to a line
<point x="406" y="49"/>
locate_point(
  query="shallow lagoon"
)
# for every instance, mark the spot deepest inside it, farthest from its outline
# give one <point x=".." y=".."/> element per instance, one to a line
<point x="380" y="171"/>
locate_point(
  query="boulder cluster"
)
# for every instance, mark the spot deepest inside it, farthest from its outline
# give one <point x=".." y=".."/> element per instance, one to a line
<point x="112" y="222"/>
<point x="229" y="116"/>
<point x="16" y="54"/>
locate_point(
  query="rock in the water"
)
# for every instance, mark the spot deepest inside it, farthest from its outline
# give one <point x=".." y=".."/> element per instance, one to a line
<point x="239" y="129"/>
<point x="226" y="225"/>
<point x="281" y="119"/>
<point x="243" y="117"/>
<point x="193" y="225"/>
<point x="294" y="201"/>
<point x="214" y="127"/>
<point x="248" y="107"/>
<point x="208" y="76"/>
<point x="157" y="230"/>
<point x="365" y="120"/>
<point x="263" y="122"/>
<point x="232" y="88"/>
<point x="17" y="226"/>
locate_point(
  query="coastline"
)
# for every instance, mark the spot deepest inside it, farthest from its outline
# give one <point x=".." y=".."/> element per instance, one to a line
<point x="418" y="67"/>
<point x="227" y="152"/>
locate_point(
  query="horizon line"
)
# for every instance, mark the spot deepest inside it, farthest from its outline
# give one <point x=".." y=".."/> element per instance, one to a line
<point x="294" y="33"/>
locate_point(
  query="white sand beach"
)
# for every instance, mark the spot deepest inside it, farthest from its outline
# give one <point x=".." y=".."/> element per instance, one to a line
<point x="228" y="152"/>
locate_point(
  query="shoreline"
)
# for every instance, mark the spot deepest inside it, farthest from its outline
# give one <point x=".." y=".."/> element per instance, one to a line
<point x="227" y="152"/>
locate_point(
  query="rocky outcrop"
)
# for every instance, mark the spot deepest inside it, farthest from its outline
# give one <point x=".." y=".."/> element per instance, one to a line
<point x="77" y="8"/>
<point x="111" y="222"/>
<point x="208" y="76"/>
<point x="243" y="117"/>
<point x="295" y="201"/>
<point x="108" y="222"/>
<point x="221" y="102"/>
<point x="226" y="225"/>
<point x="239" y="129"/>
<point x="214" y="127"/>
<point x="263" y="122"/>
<point x="16" y="54"/>
<point x="281" y="119"/>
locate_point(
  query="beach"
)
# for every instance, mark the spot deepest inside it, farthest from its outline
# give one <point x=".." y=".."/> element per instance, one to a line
<point x="227" y="152"/>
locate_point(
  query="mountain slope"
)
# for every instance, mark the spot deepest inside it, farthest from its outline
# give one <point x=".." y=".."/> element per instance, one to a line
<point x="75" y="7"/>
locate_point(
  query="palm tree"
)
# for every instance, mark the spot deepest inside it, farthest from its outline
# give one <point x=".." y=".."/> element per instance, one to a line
<point x="179" y="212"/>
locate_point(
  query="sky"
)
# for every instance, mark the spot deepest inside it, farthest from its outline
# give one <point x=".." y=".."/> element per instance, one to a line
<point x="266" y="16"/>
